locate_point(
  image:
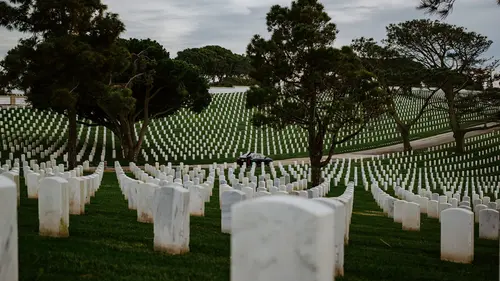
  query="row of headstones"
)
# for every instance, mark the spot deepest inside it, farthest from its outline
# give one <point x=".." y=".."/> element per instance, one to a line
<point x="96" y="134"/>
<point x="457" y="223"/>
<point x="168" y="173"/>
<point x="55" y="195"/>
<point x="230" y="196"/>
<point x="52" y="152"/>
<point x="14" y="146"/>
<point x="167" y="206"/>
<point x="290" y="238"/>
<point x="182" y="175"/>
<point x="152" y="151"/>
<point x="443" y="171"/>
<point x="140" y="194"/>
<point x="33" y="177"/>
<point x="426" y="194"/>
<point x="448" y="188"/>
<point x="58" y="197"/>
<point x="454" y="164"/>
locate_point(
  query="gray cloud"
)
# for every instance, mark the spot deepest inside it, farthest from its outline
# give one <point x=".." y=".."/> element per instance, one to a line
<point x="180" y="24"/>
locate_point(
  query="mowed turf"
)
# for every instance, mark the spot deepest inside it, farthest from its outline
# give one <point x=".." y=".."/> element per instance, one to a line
<point x="107" y="243"/>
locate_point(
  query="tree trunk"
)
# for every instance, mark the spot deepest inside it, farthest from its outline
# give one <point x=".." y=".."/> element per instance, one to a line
<point x="459" y="141"/>
<point x="315" y="170"/>
<point x="130" y="152"/>
<point x="454" y="121"/>
<point x="130" y="145"/>
<point x="315" y="156"/>
<point x="72" y="139"/>
<point x="133" y="154"/>
<point x="404" y="130"/>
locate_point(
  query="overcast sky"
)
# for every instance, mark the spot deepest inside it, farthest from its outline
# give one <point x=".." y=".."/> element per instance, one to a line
<point x="180" y="24"/>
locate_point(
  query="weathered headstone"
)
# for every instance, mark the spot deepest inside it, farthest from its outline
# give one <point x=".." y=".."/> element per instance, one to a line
<point x="478" y="209"/>
<point x="229" y="198"/>
<point x="171" y="219"/>
<point x="145" y="202"/>
<point x="488" y="224"/>
<point x="399" y="209"/>
<point x="76" y="195"/>
<point x="339" y="230"/>
<point x="8" y="230"/>
<point x="411" y="217"/>
<point x="457" y="235"/>
<point x="196" y="200"/>
<point x="433" y="209"/>
<point x="53" y="207"/>
<point x="287" y="240"/>
<point x="32" y="181"/>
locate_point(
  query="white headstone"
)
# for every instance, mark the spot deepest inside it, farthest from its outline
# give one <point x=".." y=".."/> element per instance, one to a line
<point x="229" y="198"/>
<point x="145" y="202"/>
<point x="32" y="181"/>
<point x="8" y="230"/>
<point x="171" y="219"/>
<point x="53" y="207"/>
<point x="399" y="209"/>
<point x="457" y="235"/>
<point x="77" y="195"/>
<point x="433" y="209"/>
<point x="282" y="238"/>
<point x="196" y="200"/>
<point x="488" y="224"/>
<point x="339" y="230"/>
<point x="411" y="217"/>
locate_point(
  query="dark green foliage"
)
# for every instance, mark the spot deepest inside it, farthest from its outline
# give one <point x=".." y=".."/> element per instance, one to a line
<point x="153" y="86"/>
<point x="304" y="81"/>
<point x="216" y="62"/>
<point x="440" y="7"/>
<point x="65" y="59"/>
<point x="455" y="57"/>
<point x="397" y="74"/>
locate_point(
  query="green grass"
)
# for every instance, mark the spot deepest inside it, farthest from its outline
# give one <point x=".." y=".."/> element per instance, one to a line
<point x="408" y="255"/>
<point x="107" y="243"/>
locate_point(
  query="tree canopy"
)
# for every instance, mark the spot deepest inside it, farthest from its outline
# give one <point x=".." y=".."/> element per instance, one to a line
<point x="305" y="82"/>
<point x="440" y="7"/>
<point x="63" y="58"/>
<point x="218" y="64"/>
<point x="456" y="57"/>
<point x="397" y="75"/>
<point x="153" y="86"/>
<point x="73" y="62"/>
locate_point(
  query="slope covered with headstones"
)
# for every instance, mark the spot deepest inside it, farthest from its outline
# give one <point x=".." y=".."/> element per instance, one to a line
<point x="219" y="134"/>
<point x="409" y="188"/>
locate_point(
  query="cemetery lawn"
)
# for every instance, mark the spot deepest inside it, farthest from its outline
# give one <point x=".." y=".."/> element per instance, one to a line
<point x="107" y="243"/>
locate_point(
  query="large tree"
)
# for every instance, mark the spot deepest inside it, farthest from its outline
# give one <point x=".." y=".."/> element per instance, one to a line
<point x="63" y="57"/>
<point x="397" y="75"/>
<point x="457" y="58"/>
<point x="440" y="7"/>
<point x="153" y="86"/>
<point x="303" y="81"/>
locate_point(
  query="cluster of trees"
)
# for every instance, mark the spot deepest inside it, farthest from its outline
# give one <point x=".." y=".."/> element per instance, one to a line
<point x="334" y="93"/>
<point x="73" y="62"/>
<point x="220" y="65"/>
